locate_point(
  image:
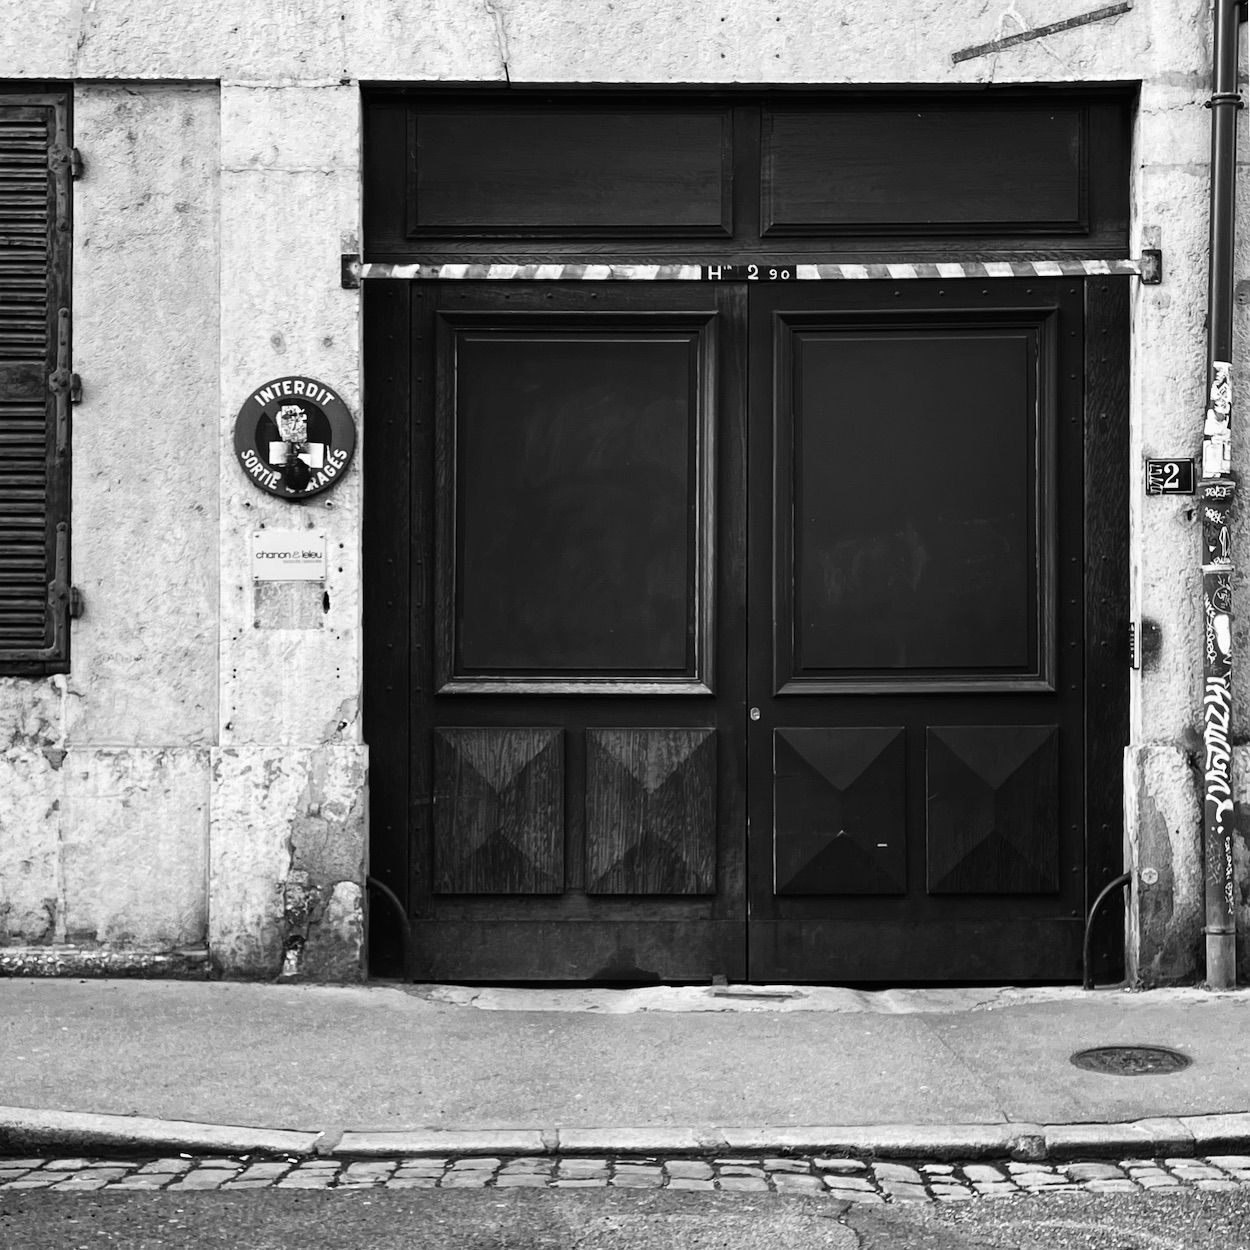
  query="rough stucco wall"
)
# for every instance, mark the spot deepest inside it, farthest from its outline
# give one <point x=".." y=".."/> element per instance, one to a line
<point x="1164" y="837"/>
<point x="288" y="860"/>
<point x="30" y="851"/>
<point x="290" y="138"/>
<point x="133" y="846"/>
<point x="105" y="837"/>
<point x="106" y="846"/>
<point x="290" y="179"/>
<point x="1168" y="400"/>
<point x="640" y="41"/>
<point x="289" y="781"/>
<point x="145" y="503"/>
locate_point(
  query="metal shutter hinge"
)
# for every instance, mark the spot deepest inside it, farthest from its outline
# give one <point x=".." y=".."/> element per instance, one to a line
<point x="1151" y="266"/>
<point x="60" y="157"/>
<point x="349" y="274"/>
<point x="1134" y="644"/>
<point x="63" y="382"/>
<point x="59" y="593"/>
<point x="77" y="604"/>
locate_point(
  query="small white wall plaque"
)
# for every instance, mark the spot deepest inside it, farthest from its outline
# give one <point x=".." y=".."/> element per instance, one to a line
<point x="288" y="556"/>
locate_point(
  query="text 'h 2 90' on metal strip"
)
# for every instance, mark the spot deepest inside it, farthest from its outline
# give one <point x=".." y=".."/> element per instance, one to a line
<point x="1147" y="267"/>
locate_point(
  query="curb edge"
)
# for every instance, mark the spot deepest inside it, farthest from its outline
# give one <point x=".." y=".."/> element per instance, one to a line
<point x="25" y="1129"/>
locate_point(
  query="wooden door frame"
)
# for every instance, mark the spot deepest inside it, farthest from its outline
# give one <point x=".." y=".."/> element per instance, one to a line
<point x="1107" y="659"/>
<point x="387" y="562"/>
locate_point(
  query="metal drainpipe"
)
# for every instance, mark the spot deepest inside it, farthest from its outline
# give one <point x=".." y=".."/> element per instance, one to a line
<point x="1218" y="491"/>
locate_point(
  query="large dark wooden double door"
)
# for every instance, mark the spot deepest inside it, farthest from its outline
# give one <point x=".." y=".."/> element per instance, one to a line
<point x="742" y="628"/>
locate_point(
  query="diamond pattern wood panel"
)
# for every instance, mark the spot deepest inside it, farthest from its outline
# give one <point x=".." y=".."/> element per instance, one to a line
<point x="993" y="809"/>
<point x="839" y="810"/>
<point x="498" y="811"/>
<point x="651" y="811"/>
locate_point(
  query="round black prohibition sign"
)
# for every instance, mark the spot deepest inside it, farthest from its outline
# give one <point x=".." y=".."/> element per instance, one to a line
<point x="294" y="437"/>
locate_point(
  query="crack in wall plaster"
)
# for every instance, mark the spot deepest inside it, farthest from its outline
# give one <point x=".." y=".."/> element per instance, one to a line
<point x="83" y="28"/>
<point x="60" y="905"/>
<point x="278" y="169"/>
<point x="1010" y="13"/>
<point x="501" y="36"/>
<point x="260" y="84"/>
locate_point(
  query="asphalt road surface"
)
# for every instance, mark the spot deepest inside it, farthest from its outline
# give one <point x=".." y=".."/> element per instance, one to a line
<point x="378" y="1219"/>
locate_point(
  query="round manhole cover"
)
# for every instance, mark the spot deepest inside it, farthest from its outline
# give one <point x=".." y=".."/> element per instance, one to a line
<point x="1131" y="1060"/>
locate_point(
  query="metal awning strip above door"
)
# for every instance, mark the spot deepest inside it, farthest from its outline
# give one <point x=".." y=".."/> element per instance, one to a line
<point x="1149" y="267"/>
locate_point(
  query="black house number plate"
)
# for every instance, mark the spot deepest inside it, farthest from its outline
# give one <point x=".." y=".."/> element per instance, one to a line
<point x="1169" y="477"/>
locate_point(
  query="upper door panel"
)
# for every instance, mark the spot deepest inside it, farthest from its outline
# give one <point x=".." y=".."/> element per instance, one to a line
<point x="575" y="515"/>
<point x="915" y="486"/>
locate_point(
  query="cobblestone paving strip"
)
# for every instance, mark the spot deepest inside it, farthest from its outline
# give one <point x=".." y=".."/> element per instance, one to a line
<point x="845" y="1179"/>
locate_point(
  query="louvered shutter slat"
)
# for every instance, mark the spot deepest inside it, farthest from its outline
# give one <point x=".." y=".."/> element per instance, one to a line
<point x="34" y="288"/>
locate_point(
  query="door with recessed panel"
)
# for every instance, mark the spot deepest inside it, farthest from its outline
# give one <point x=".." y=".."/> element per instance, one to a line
<point x="917" y="585"/>
<point x="567" y="704"/>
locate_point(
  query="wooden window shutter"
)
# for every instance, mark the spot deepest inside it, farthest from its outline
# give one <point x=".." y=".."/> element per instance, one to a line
<point x="35" y="206"/>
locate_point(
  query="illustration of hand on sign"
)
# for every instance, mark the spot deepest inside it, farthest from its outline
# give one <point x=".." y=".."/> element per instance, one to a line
<point x="294" y="453"/>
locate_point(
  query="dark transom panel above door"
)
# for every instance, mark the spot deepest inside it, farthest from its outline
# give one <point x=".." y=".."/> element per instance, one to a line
<point x="730" y="177"/>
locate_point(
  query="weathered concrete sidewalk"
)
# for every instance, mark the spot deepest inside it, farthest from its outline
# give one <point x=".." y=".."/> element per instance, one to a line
<point x="388" y="1069"/>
